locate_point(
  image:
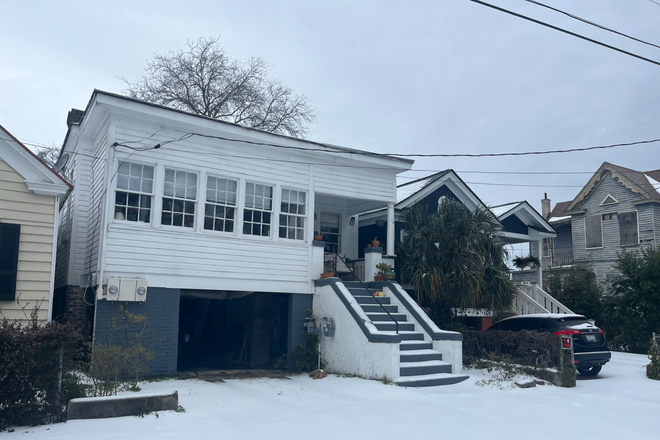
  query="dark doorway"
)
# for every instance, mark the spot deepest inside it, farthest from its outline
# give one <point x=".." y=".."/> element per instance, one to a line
<point x="245" y="332"/>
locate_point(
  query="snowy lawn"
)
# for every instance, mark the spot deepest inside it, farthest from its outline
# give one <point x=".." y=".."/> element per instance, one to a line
<point x="621" y="403"/>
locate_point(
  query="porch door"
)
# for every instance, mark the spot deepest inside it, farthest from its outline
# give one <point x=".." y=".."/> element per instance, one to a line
<point x="331" y="229"/>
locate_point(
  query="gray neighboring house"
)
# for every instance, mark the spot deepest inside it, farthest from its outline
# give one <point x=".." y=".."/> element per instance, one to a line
<point x="617" y="210"/>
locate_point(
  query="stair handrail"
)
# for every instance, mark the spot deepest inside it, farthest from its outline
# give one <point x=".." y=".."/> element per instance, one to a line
<point x="396" y="323"/>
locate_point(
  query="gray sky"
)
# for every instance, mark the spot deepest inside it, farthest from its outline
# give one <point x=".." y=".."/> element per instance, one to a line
<point x="443" y="76"/>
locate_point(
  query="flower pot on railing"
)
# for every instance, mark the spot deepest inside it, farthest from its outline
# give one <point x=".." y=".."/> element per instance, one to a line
<point x="375" y="242"/>
<point x="327" y="275"/>
<point x="318" y="237"/>
<point x="379" y="277"/>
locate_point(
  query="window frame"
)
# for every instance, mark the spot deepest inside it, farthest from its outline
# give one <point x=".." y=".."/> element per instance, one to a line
<point x="154" y="184"/>
<point x="194" y="201"/>
<point x="235" y="207"/>
<point x="246" y="208"/>
<point x="636" y="212"/>
<point x="287" y="215"/>
<point x="586" y="235"/>
<point x="10" y="237"/>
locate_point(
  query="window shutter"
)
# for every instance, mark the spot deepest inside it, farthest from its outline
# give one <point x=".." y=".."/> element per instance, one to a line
<point x="593" y="231"/>
<point x="628" y="228"/>
<point x="9" y="240"/>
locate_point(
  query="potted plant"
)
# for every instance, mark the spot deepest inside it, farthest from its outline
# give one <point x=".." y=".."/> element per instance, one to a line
<point x="383" y="269"/>
<point x="327" y="275"/>
<point x="375" y="242"/>
<point x="318" y="236"/>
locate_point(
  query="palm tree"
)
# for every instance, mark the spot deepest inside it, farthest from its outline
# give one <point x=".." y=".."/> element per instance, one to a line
<point x="452" y="258"/>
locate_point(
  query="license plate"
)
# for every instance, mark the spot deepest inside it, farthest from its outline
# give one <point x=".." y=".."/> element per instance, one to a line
<point x="591" y="338"/>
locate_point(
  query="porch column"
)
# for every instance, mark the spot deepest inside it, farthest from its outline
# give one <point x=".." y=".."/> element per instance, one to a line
<point x="539" y="270"/>
<point x="390" y="228"/>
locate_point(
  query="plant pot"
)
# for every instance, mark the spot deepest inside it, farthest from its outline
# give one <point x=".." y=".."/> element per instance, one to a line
<point x="375" y="243"/>
<point x="318" y="237"/>
<point x="327" y="275"/>
<point x="379" y="278"/>
<point x="389" y="275"/>
<point x="369" y="245"/>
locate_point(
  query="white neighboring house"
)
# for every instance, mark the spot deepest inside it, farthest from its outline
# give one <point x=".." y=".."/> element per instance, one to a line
<point x="30" y="194"/>
<point x="207" y="229"/>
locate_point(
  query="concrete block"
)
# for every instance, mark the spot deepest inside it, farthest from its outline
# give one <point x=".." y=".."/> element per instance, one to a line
<point x="120" y="406"/>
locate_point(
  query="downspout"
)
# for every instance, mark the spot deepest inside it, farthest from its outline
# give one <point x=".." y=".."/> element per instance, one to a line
<point x="56" y="228"/>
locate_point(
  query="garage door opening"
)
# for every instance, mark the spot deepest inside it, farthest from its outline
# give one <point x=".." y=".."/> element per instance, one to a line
<point x="248" y="331"/>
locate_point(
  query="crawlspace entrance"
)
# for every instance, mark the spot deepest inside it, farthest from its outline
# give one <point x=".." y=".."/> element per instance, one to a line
<point x="245" y="332"/>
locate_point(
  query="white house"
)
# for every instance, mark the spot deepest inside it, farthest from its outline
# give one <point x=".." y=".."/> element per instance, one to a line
<point x="207" y="228"/>
<point x="30" y="194"/>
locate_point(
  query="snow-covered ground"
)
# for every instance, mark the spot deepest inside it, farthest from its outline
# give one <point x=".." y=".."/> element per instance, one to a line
<point x="621" y="403"/>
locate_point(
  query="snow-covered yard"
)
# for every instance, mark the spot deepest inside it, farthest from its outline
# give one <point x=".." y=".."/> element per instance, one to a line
<point x="621" y="403"/>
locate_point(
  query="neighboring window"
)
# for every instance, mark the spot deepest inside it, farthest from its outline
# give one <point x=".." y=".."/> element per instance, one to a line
<point x="9" y="243"/>
<point x="258" y="209"/>
<point x="331" y="232"/>
<point x="179" y="195"/>
<point x="292" y="214"/>
<point x="220" y="208"/>
<point x="612" y="216"/>
<point x="548" y="245"/>
<point x="628" y="230"/>
<point x="135" y="186"/>
<point x="594" y="231"/>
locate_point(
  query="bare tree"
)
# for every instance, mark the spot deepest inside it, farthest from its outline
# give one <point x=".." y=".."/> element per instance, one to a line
<point x="202" y="79"/>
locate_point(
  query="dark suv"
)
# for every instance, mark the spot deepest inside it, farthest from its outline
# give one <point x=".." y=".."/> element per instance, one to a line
<point x="589" y="344"/>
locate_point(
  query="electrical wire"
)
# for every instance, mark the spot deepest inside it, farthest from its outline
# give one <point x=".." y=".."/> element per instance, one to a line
<point x="542" y="23"/>
<point x="591" y="23"/>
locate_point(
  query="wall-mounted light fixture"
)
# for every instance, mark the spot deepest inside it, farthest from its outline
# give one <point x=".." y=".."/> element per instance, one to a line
<point x="352" y="221"/>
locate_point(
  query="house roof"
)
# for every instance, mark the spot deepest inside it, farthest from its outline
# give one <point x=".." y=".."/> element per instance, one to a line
<point x="39" y="177"/>
<point x="411" y="192"/>
<point x="522" y="213"/>
<point x="635" y="181"/>
<point x="559" y="211"/>
<point x="77" y="117"/>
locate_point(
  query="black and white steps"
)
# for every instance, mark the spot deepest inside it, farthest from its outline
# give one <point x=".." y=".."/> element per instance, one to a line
<point x="419" y="364"/>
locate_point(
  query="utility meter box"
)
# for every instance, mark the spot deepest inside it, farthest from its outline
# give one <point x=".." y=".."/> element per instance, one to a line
<point x="127" y="289"/>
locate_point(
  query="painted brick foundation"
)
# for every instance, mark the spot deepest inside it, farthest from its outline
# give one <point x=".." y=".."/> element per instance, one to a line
<point x="162" y="311"/>
<point x="299" y="309"/>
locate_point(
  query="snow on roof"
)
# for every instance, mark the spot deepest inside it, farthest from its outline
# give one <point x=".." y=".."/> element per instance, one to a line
<point x="654" y="183"/>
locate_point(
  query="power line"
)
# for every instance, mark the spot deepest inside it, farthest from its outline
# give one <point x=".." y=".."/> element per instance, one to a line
<point x="592" y="23"/>
<point x="653" y="1"/>
<point x="542" y="23"/>
<point x="530" y="153"/>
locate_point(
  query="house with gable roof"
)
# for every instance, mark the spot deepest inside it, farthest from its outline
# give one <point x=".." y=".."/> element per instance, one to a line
<point x="30" y="196"/>
<point x="618" y="210"/>
<point x="207" y="228"/>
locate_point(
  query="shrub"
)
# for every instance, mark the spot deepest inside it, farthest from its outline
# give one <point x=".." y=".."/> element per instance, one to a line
<point x="305" y="357"/>
<point x="33" y="357"/>
<point x="118" y="365"/>
<point x="653" y="369"/>
<point x="523" y="348"/>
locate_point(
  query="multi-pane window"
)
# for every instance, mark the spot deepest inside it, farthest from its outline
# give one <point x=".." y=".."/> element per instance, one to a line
<point x="331" y="232"/>
<point x="135" y="184"/>
<point x="179" y="195"/>
<point x="258" y="209"/>
<point x="292" y="214"/>
<point x="220" y="208"/>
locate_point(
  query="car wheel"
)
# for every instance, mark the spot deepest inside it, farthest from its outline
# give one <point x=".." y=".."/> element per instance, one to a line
<point x="591" y="371"/>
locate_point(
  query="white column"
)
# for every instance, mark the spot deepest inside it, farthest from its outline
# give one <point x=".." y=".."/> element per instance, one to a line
<point x="390" y="228"/>
<point x="539" y="270"/>
<point x="372" y="257"/>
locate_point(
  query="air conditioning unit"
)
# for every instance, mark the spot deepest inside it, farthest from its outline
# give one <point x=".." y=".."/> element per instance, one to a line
<point x="126" y="289"/>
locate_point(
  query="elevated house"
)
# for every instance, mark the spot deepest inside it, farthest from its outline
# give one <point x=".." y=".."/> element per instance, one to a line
<point x="618" y="210"/>
<point x="30" y="195"/>
<point x="207" y="229"/>
<point x="520" y="222"/>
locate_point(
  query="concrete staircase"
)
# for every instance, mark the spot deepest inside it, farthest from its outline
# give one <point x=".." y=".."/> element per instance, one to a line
<point x="420" y="364"/>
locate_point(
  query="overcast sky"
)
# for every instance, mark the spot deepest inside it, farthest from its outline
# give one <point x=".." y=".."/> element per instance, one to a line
<point x="442" y="76"/>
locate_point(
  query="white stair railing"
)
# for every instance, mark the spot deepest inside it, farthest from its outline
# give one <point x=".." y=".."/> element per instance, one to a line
<point x="532" y="299"/>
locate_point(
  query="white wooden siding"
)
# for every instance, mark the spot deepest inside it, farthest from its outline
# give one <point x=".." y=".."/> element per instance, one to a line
<point x="35" y="214"/>
<point x="97" y="199"/>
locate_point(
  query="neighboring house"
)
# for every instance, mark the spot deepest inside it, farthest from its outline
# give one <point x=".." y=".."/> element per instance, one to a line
<point x="520" y="224"/>
<point x="30" y="194"/>
<point x="207" y="229"/>
<point x="617" y="210"/>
